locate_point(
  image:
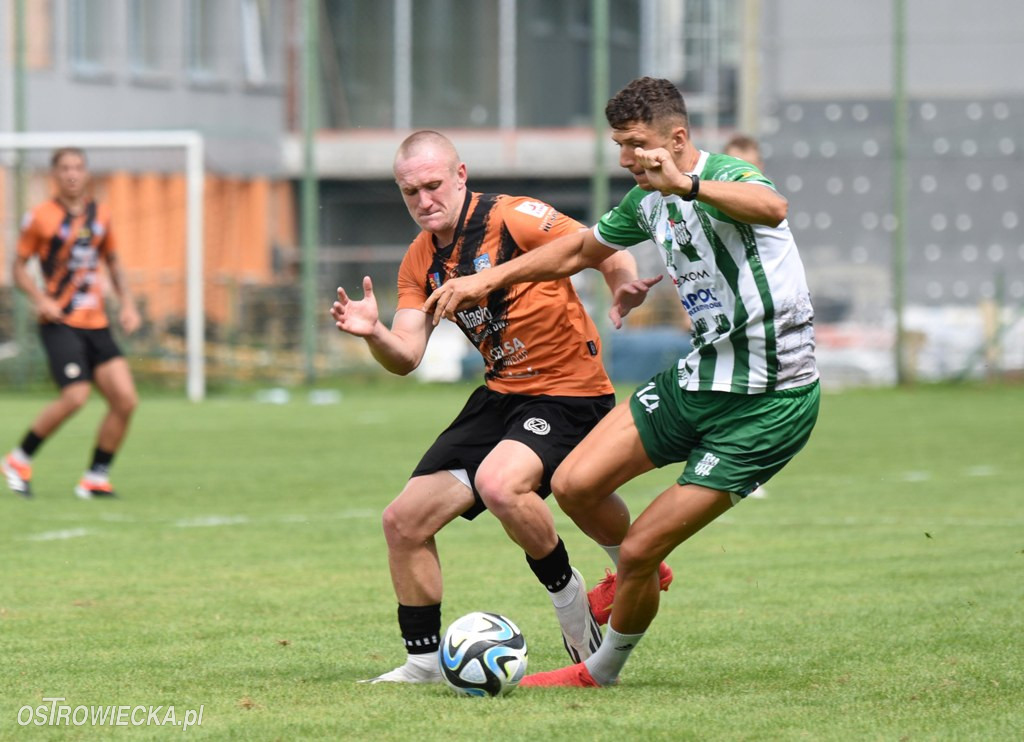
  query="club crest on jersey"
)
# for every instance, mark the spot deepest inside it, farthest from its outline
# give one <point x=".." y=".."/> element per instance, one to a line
<point x="434" y="279"/>
<point x="480" y="262"/>
<point x="680" y="233"/>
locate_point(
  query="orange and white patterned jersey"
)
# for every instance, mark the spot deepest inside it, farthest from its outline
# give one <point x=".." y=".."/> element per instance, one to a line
<point x="69" y="248"/>
<point x="535" y="338"/>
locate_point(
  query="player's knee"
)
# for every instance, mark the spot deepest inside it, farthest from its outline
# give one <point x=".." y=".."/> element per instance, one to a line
<point x="493" y="489"/>
<point x="501" y="493"/>
<point x="636" y="559"/>
<point x="567" y="487"/>
<point x="392" y="523"/>
<point x="400" y="529"/>
<point x="124" y="404"/>
<point x="75" y="396"/>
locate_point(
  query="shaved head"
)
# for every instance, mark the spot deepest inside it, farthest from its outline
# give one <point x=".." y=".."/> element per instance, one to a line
<point x="428" y="145"/>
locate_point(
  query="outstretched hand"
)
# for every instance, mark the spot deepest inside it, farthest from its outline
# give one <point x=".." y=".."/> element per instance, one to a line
<point x="629" y="296"/>
<point x="357" y="318"/>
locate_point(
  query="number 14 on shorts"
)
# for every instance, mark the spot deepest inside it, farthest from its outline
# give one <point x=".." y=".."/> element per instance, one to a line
<point x="648" y="397"/>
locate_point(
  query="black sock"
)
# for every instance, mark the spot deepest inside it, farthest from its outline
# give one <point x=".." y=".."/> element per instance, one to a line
<point x="101" y="461"/>
<point x="421" y="627"/>
<point x="553" y="571"/>
<point x="30" y="443"/>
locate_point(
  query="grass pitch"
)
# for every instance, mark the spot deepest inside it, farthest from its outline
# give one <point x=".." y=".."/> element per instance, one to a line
<point x="876" y="593"/>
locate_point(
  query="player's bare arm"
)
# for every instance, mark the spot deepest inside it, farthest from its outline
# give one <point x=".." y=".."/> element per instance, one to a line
<point x="751" y="203"/>
<point x="628" y="289"/>
<point x="400" y="349"/>
<point x="559" y="258"/>
<point x="47" y="309"/>
<point x="128" y="315"/>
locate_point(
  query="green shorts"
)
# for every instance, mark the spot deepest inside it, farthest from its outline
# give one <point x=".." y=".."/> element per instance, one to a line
<point x="730" y="442"/>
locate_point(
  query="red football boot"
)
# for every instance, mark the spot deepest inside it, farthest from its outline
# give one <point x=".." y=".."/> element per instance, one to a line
<point x="573" y="676"/>
<point x="603" y="594"/>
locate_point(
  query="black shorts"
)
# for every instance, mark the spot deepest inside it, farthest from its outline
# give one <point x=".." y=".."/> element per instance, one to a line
<point x="550" y="426"/>
<point x="73" y="353"/>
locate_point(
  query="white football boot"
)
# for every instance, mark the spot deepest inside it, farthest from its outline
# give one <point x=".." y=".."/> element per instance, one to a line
<point x="580" y="632"/>
<point x="418" y="668"/>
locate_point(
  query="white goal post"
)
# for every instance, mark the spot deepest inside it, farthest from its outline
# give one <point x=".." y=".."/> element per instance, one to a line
<point x="192" y="144"/>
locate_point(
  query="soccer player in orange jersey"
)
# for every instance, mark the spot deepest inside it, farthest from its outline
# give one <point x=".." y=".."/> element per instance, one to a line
<point x="71" y="236"/>
<point x="545" y="387"/>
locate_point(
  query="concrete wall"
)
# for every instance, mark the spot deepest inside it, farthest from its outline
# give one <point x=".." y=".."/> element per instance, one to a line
<point x="837" y="50"/>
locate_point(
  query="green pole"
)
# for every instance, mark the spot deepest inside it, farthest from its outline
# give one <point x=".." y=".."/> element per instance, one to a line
<point x="21" y="333"/>
<point x="310" y="200"/>
<point x="996" y="353"/>
<point x="899" y="185"/>
<point x="599" y="95"/>
<point x="599" y="178"/>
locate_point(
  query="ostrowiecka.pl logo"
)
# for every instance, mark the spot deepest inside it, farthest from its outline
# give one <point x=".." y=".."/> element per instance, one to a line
<point x="53" y="712"/>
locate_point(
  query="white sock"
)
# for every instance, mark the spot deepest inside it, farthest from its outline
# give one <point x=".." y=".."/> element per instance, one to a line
<point x="613" y="553"/>
<point x="94" y="476"/>
<point x="567" y="594"/>
<point x="607" y="662"/>
<point x="20" y="456"/>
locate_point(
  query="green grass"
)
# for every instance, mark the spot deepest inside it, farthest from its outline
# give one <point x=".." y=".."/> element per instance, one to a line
<point x="875" y="594"/>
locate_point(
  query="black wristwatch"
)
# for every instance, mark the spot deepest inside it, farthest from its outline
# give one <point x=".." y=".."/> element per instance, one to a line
<point x="694" y="187"/>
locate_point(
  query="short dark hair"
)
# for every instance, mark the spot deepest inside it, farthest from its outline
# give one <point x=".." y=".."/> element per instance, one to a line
<point x="59" y="154"/>
<point x="646" y="100"/>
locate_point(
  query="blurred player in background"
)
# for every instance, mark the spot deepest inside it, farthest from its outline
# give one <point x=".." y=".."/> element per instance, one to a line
<point x="745" y="148"/>
<point x="738" y="408"/>
<point x="545" y="389"/>
<point x="71" y="236"/>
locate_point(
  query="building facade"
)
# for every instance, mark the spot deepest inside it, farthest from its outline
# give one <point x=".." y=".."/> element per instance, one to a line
<point x="512" y="83"/>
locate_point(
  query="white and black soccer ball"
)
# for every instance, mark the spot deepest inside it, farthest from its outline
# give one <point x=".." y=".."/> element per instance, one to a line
<point x="483" y="654"/>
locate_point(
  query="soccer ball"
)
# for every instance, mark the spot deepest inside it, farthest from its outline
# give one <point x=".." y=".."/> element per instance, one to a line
<point x="483" y="654"/>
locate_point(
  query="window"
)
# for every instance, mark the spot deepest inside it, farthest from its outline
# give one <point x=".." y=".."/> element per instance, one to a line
<point x="262" y="23"/>
<point x="555" y="50"/>
<point x="455" y="63"/>
<point x="436" y="63"/>
<point x="208" y="39"/>
<point x="90" y="22"/>
<point x="149" y="22"/>
<point x="447" y="73"/>
<point x="711" y="62"/>
<point x="358" y="64"/>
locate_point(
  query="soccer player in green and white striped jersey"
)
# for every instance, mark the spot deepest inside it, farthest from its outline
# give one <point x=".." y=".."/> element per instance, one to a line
<point x="737" y="409"/>
<point x="741" y="283"/>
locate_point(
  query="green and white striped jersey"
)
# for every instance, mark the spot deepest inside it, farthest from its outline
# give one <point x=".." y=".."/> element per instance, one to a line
<point x="743" y="285"/>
